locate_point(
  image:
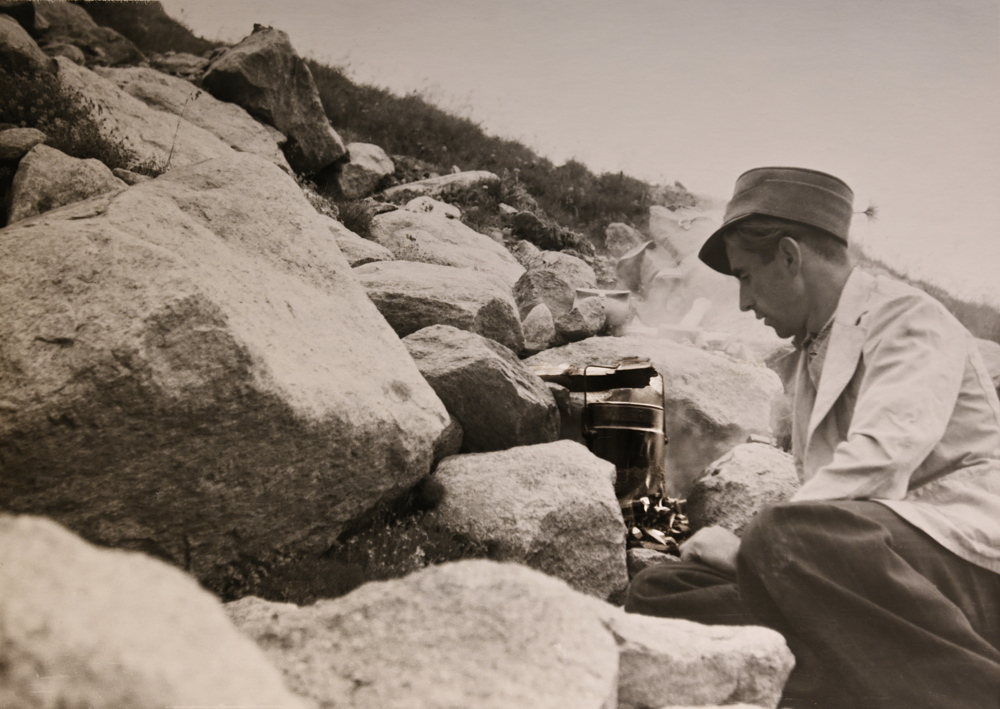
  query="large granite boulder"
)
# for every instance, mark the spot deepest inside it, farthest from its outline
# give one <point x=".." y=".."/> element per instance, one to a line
<point x="190" y="368"/>
<point x="18" y="51"/>
<point x="711" y="402"/>
<point x="467" y="634"/>
<point x="734" y="488"/>
<point x="356" y="250"/>
<point x="70" y="24"/>
<point x="667" y="662"/>
<point x="264" y="75"/>
<point x="434" y="238"/>
<point x="443" y="186"/>
<point x="550" y="506"/>
<point x="412" y="296"/>
<point x="16" y="142"/>
<point x="498" y="401"/>
<point x="230" y="123"/>
<point x="367" y="165"/>
<point x="158" y="140"/>
<point x="489" y="635"/>
<point x="47" y="178"/>
<point x="87" y="627"/>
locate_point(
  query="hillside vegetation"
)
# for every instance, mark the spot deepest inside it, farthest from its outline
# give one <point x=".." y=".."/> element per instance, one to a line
<point x="424" y="138"/>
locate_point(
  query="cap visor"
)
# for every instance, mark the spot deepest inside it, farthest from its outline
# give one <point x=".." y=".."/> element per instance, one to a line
<point x="713" y="251"/>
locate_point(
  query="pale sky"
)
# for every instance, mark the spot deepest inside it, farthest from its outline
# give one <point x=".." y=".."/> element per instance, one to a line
<point x="899" y="98"/>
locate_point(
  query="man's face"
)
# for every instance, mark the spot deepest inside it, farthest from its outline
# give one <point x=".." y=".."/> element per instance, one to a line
<point x="771" y="290"/>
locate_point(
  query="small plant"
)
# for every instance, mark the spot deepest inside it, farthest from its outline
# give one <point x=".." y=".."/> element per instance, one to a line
<point x="67" y="118"/>
<point x="177" y="129"/>
<point x="356" y="215"/>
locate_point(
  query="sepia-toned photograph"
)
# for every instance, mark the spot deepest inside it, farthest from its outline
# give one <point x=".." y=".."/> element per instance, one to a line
<point x="527" y="354"/>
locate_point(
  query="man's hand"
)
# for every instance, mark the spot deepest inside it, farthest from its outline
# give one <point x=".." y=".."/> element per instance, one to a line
<point x="713" y="546"/>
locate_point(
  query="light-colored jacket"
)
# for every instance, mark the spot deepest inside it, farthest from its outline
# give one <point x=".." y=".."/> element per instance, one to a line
<point x="904" y="414"/>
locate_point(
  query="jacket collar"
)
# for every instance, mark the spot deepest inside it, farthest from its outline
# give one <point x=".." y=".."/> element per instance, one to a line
<point x="844" y="350"/>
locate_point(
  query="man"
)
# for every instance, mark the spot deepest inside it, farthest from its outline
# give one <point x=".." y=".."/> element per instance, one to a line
<point x="883" y="571"/>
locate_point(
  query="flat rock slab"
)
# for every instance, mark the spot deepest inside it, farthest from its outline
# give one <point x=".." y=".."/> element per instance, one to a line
<point x="192" y="369"/>
<point x="264" y="75"/>
<point x="159" y="140"/>
<point x="467" y="634"/>
<point x="82" y="626"/>
<point x="734" y="488"/>
<point x="551" y="507"/>
<point x="230" y="123"/>
<point x="498" y="401"/>
<point x="712" y="402"/>
<point x="356" y="250"/>
<point x="440" y="187"/>
<point x="412" y="296"/>
<point x="47" y="178"/>
<point x="434" y="238"/>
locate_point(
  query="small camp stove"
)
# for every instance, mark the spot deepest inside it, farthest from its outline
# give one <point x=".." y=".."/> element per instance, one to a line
<point x="622" y="419"/>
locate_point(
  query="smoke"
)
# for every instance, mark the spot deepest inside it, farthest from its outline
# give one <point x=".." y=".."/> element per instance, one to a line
<point x="677" y="286"/>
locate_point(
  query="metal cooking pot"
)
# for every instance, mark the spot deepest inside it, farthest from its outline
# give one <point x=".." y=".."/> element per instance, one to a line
<point x="631" y="435"/>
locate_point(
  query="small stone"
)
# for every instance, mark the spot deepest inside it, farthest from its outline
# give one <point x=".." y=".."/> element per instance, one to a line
<point x="584" y="320"/>
<point x="16" y="142"/>
<point x="539" y="328"/>
<point x="638" y="559"/>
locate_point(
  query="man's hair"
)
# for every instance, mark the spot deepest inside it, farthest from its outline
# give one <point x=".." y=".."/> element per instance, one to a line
<point x="760" y="235"/>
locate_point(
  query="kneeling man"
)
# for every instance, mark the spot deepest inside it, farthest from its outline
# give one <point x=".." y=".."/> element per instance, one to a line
<point x="883" y="571"/>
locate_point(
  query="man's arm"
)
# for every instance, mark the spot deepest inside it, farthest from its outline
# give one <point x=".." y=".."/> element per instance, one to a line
<point x="915" y="357"/>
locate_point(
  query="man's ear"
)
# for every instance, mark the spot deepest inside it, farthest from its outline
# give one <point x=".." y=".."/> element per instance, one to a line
<point x="790" y="253"/>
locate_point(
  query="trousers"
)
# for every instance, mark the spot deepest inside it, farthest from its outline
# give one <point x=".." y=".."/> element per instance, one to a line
<point x="877" y="614"/>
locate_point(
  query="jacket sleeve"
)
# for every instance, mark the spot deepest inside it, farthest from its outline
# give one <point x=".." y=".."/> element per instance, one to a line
<point x="914" y="359"/>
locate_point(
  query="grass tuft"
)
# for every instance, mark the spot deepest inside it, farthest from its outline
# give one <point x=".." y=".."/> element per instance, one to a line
<point x="67" y="119"/>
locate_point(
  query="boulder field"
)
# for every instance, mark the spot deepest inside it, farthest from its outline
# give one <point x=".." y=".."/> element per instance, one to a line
<point x="208" y="381"/>
<point x="193" y="370"/>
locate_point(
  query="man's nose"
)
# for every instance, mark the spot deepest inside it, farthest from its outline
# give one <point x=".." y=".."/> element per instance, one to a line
<point x="746" y="302"/>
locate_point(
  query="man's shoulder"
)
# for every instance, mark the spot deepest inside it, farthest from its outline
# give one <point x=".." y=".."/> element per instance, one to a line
<point x="891" y="299"/>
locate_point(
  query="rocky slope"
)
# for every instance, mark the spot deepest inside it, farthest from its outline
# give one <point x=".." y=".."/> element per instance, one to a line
<point x="210" y="378"/>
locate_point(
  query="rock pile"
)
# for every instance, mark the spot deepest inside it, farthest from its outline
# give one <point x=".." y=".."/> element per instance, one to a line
<point x="484" y="634"/>
<point x="197" y="364"/>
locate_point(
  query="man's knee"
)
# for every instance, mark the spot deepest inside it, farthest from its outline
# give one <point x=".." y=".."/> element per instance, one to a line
<point x="771" y="537"/>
